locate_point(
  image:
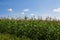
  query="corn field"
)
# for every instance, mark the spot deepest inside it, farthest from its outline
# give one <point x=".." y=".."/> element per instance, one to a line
<point x="32" y="29"/>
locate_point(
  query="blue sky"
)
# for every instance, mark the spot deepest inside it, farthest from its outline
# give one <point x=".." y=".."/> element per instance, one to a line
<point x="21" y="8"/>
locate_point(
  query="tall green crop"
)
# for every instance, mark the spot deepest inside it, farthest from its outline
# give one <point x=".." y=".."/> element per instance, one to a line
<point x="33" y="29"/>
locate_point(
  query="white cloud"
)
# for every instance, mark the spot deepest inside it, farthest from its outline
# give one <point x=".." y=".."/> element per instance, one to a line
<point x="26" y="10"/>
<point x="23" y="13"/>
<point x="56" y="10"/>
<point x="10" y="9"/>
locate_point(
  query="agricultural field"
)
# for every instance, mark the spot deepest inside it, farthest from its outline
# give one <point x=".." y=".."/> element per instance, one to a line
<point x="29" y="19"/>
<point x="23" y="29"/>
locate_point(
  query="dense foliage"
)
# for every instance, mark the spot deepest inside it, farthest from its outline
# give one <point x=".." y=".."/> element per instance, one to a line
<point x="33" y="29"/>
<point x="11" y="37"/>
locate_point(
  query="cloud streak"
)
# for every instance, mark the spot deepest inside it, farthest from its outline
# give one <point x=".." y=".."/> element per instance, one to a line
<point x="26" y="10"/>
<point x="23" y="13"/>
<point x="32" y="14"/>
